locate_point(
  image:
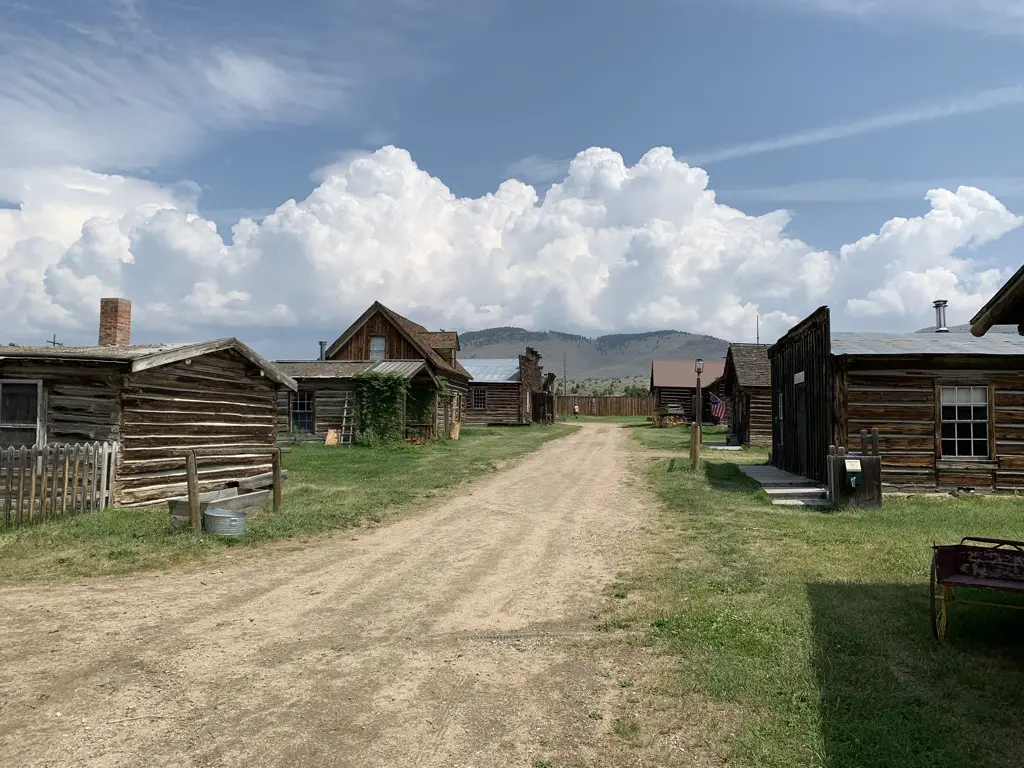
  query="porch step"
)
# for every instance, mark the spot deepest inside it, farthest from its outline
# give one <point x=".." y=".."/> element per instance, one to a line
<point x="822" y="502"/>
<point x="797" y="492"/>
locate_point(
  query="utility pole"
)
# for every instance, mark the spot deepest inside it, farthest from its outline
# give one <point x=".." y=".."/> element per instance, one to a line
<point x="54" y="343"/>
<point x="565" y="375"/>
<point x="759" y="328"/>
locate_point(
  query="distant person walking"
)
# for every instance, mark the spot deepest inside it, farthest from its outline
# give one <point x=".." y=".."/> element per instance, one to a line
<point x="576" y="411"/>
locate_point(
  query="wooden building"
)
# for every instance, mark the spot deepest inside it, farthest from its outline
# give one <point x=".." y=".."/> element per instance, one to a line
<point x="674" y="387"/>
<point x="747" y="385"/>
<point x="949" y="407"/>
<point x="381" y="341"/>
<point x="1005" y="308"/>
<point x="502" y="391"/>
<point x="154" y="401"/>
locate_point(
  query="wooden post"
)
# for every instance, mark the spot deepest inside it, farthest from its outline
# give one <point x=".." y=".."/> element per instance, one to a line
<point x="695" y="446"/>
<point x="64" y="495"/>
<point x="44" y="469"/>
<point x="864" y="441"/>
<point x="33" y="455"/>
<point x="104" y="463"/>
<point x="278" y="482"/>
<point x="9" y="490"/>
<point x="74" y="478"/>
<point x="195" y="519"/>
<point x="23" y="460"/>
<point x="874" y="441"/>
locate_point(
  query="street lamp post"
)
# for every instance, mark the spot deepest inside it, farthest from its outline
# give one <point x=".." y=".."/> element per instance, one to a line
<point x="699" y="368"/>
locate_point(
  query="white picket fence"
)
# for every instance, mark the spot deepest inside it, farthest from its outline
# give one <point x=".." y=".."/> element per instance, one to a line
<point x="48" y="482"/>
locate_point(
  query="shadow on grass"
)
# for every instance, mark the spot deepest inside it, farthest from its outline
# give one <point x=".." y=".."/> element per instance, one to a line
<point x="726" y="476"/>
<point x="890" y="695"/>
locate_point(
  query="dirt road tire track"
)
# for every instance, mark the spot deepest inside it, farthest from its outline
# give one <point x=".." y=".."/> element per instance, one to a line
<point x="451" y="636"/>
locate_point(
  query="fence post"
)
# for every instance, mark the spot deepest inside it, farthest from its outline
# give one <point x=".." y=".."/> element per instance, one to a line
<point x="278" y="489"/>
<point x="195" y="519"/>
<point x="695" y="446"/>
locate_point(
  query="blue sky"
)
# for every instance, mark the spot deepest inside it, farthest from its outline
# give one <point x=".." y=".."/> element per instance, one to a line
<point x="839" y="115"/>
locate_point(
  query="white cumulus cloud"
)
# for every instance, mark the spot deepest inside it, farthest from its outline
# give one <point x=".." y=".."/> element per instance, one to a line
<point x="609" y="247"/>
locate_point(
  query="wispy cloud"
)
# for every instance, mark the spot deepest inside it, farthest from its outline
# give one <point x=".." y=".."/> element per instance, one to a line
<point x="999" y="16"/>
<point x="983" y="101"/>
<point x="536" y="169"/>
<point x="853" y="190"/>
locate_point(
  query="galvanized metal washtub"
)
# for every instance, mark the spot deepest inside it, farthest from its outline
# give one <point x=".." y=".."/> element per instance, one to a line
<point x="224" y="522"/>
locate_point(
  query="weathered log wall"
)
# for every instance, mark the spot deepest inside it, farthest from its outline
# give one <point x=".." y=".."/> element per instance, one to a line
<point x="502" y="407"/>
<point x="80" y="398"/>
<point x="214" y="401"/>
<point x="750" y="415"/>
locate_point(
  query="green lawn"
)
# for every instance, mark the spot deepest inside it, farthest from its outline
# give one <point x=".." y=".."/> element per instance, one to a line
<point x="808" y="633"/>
<point x="328" y="488"/>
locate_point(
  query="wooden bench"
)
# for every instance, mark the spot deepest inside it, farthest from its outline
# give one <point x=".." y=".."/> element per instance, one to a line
<point x="977" y="563"/>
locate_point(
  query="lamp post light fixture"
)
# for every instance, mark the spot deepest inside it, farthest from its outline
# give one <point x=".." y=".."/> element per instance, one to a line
<point x="698" y="366"/>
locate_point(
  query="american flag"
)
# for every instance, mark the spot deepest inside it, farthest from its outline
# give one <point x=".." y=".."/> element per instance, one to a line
<point x="717" y="407"/>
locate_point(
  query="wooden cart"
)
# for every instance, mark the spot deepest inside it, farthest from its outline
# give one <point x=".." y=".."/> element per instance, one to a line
<point x="991" y="564"/>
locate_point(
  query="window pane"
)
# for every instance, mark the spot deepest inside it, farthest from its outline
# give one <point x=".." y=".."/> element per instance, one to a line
<point x="963" y="395"/>
<point x="948" y="395"/>
<point x="980" y="430"/>
<point x="948" y="412"/>
<point x="963" y="413"/>
<point x="949" y="447"/>
<point x="963" y="430"/>
<point x="378" y="347"/>
<point x="479" y="398"/>
<point x="302" y="412"/>
<point x="980" y="395"/>
<point x="17" y="437"/>
<point x="981" y="448"/>
<point x="19" y="403"/>
<point x="949" y="430"/>
<point x="980" y="412"/>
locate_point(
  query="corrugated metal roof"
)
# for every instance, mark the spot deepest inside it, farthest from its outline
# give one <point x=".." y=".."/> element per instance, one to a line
<point x="348" y="369"/>
<point x="492" y="370"/>
<point x="925" y="344"/>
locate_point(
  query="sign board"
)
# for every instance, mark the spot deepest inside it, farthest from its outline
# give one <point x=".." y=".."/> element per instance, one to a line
<point x="853" y="465"/>
<point x="798" y="378"/>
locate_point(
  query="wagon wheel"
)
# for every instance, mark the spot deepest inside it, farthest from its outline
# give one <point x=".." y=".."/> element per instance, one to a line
<point x="940" y="605"/>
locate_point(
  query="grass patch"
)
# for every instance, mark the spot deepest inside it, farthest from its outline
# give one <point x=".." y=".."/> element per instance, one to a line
<point x="328" y="488"/>
<point x="812" y="629"/>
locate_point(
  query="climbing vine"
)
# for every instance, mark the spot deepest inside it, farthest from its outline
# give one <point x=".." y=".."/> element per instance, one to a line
<point x="379" y="399"/>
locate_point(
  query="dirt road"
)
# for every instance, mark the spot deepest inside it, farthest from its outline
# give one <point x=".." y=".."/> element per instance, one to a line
<point x="461" y="635"/>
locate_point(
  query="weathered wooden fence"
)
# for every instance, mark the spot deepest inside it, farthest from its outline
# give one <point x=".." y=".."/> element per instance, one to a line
<point x="605" y="406"/>
<point x="47" y="482"/>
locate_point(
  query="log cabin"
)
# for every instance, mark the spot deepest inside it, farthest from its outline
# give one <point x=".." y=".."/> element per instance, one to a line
<point x="949" y="408"/>
<point x="501" y="392"/>
<point x="381" y="341"/>
<point x="153" y="401"/>
<point x="747" y="385"/>
<point x="674" y="387"/>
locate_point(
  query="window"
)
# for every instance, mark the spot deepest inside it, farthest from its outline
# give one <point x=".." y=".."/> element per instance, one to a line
<point x="302" y="411"/>
<point x="19" y="413"/>
<point x="378" y="347"/>
<point x="965" y="422"/>
<point x="479" y="398"/>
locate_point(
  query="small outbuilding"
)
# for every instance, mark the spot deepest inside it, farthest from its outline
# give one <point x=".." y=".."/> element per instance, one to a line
<point x="502" y="392"/>
<point x="150" y="402"/>
<point x="949" y="408"/>
<point x="747" y="385"/>
<point x="674" y="388"/>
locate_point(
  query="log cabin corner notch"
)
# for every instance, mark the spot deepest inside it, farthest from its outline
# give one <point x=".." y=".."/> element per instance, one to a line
<point x="949" y="407"/>
<point x="155" y="400"/>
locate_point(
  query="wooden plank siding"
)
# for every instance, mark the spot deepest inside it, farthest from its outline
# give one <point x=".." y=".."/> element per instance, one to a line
<point x="750" y="415"/>
<point x="215" y="401"/>
<point x="613" y="405"/>
<point x="397" y="346"/>
<point x="502" y="405"/>
<point x="807" y="422"/>
<point x="334" y="407"/>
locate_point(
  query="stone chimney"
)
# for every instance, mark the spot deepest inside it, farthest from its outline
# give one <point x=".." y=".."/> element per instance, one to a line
<point x="940" y="315"/>
<point x="115" y="322"/>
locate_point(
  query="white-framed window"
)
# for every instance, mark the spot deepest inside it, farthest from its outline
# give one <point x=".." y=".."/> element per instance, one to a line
<point x="378" y="347"/>
<point x="302" y="411"/>
<point x="964" y="412"/>
<point x="21" y="412"/>
<point x="479" y="398"/>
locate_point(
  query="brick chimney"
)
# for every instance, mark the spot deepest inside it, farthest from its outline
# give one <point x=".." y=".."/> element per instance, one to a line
<point x="115" y="322"/>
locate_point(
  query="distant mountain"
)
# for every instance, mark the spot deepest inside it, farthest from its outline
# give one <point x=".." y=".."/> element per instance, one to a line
<point x="617" y="356"/>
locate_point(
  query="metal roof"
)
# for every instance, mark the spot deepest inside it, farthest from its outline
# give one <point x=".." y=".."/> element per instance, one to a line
<point x="492" y="370"/>
<point x="682" y="373"/>
<point x="925" y="344"/>
<point x="348" y="369"/>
